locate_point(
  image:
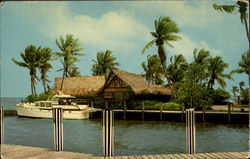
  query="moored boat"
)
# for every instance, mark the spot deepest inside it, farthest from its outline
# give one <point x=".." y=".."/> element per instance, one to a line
<point x="43" y="109"/>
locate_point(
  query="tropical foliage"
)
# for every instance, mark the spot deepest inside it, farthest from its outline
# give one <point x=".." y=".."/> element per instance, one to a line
<point x="104" y="63"/>
<point x="44" y="66"/>
<point x="243" y="64"/>
<point x="70" y="49"/>
<point x="165" y="32"/>
<point x="176" y="69"/>
<point x="195" y="88"/>
<point x="215" y="69"/>
<point x="153" y="70"/>
<point x="30" y="60"/>
<point x="239" y="7"/>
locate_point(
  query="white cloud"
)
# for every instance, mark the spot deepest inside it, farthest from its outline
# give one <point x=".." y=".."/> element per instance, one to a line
<point x="199" y="14"/>
<point x="186" y="46"/>
<point x="113" y="30"/>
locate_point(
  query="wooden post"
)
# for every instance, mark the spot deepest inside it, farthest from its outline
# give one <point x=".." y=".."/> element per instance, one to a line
<point x="229" y="111"/>
<point x="203" y="112"/>
<point x="58" y="128"/>
<point x="108" y="132"/>
<point x="143" y="109"/>
<point x="190" y="130"/>
<point x="1" y="125"/>
<point x="161" y="111"/>
<point x="182" y="111"/>
<point x="92" y="104"/>
<point x="125" y="108"/>
<point x="106" y="105"/>
<point x="1" y="130"/>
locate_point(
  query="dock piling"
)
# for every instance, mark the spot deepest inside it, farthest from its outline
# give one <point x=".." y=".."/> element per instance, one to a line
<point x="182" y="111"/>
<point x="58" y="128"/>
<point x="143" y="109"/>
<point x="161" y="112"/>
<point x="124" y="108"/>
<point x="190" y="130"/>
<point x="229" y="111"/>
<point x="108" y="132"/>
<point x="1" y="125"/>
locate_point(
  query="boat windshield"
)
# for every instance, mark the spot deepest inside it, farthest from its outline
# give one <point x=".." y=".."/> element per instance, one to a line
<point x="43" y="104"/>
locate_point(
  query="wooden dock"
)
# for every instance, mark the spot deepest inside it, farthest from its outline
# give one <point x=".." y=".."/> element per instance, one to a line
<point x="26" y="152"/>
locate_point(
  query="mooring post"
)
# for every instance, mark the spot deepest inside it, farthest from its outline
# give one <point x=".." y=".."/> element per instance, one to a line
<point x="203" y="112"/>
<point x="1" y="125"/>
<point x="108" y="132"/>
<point x="1" y="129"/>
<point x="229" y="111"/>
<point x="161" y="111"/>
<point x="190" y="130"/>
<point x="106" y="105"/>
<point x="143" y="108"/>
<point x="182" y="111"/>
<point x="125" y="108"/>
<point x="58" y="128"/>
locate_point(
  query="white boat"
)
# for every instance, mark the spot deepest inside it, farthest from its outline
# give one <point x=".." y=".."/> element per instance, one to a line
<point x="43" y="109"/>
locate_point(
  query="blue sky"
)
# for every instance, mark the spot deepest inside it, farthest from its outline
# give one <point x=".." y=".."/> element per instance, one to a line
<point x="123" y="27"/>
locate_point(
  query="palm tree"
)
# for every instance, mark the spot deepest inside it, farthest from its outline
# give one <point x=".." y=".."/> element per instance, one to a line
<point x="241" y="84"/>
<point x="30" y="61"/>
<point x="176" y="68"/>
<point x="243" y="63"/>
<point x="44" y="66"/>
<point x="238" y="7"/>
<point x="73" y="72"/>
<point x="153" y="70"/>
<point x="165" y="30"/>
<point x="235" y="89"/>
<point x="104" y="63"/>
<point x="215" y="69"/>
<point x="201" y="61"/>
<point x="70" y="48"/>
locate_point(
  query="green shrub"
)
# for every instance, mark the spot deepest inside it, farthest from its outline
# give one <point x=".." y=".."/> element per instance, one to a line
<point x="31" y="98"/>
<point x="169" y="106"/>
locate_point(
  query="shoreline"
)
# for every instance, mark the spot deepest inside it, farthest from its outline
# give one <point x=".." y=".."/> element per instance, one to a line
<point x="150" y="115"/>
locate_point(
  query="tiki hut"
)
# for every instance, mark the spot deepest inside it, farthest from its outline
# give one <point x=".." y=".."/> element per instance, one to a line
<point x="120" y="82"/>
<point x="80" y="86"/>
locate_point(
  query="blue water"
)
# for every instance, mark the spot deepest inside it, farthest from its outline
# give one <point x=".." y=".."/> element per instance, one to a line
<point x="10" y="103"/>
<point x="131" y="137"/>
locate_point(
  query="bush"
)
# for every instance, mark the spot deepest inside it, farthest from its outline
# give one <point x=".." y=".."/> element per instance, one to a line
<point x="220" y="95"/>
<point x="43" y="96"/>
<point x="169" y="106"/>
<point x="31" y="98"/>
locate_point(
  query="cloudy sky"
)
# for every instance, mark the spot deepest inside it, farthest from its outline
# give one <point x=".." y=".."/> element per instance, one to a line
<point x="123" y="27"/>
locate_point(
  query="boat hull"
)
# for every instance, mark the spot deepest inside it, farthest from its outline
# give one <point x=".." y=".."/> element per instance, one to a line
<point x="47" y="113"/>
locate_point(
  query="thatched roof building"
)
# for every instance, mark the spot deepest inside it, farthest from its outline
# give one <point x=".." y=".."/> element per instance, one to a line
<point x="118" y="83"/>
<point x="80" y="86"/>
<point x="113" y="88"/>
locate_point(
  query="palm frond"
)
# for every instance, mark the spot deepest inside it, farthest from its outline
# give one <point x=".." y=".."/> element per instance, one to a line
<point x="225" y="8"/>
<point x="151" y="43"/>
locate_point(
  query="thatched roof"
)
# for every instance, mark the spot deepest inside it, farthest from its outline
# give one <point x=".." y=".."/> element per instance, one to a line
<point x="79" y="86"/>
<point x="82" y="86"/>
<point x="139" y="84"/>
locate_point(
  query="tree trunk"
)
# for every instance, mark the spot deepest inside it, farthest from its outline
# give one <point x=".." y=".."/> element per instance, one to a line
<point x="162" y="56"/>
<point x="44" y="85"/>
<point x="34" y="86"/>
<point x="246" y="27"/>
<point x="31" y="85"/>
<point x="62" y="79"/>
